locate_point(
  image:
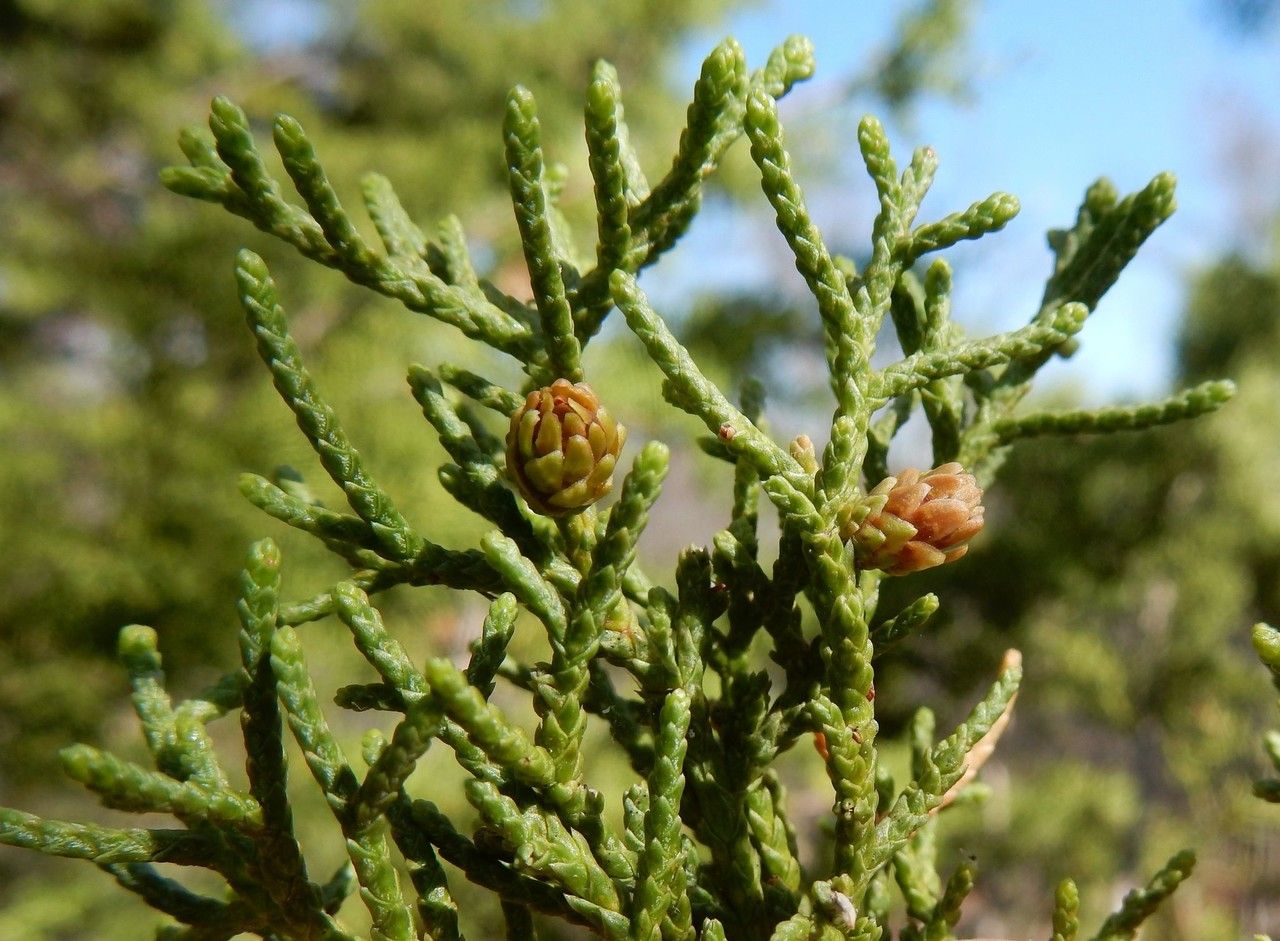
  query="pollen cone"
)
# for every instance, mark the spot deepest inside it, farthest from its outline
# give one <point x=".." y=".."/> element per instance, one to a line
<point x="562" y="447"/>
<point x="917" y="520"/>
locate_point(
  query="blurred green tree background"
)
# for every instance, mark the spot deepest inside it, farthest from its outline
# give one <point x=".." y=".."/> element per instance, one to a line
<point x="1128" y="570"/>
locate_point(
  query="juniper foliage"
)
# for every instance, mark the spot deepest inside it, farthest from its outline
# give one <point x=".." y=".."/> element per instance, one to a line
<point x="706" y="849"/>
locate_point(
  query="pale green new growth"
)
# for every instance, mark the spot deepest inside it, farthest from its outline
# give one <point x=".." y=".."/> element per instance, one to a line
<point x="1266" y="641"/>
<point x="1065" y="909"/>
<point x="672" y="668"/>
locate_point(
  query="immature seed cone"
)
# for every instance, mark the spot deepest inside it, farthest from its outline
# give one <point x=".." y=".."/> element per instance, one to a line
<point x="915" y="521"/>
<point x="562" y="448"/>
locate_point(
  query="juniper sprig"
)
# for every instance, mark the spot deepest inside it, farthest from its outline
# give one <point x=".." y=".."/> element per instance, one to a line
<point x="672" y="669"/>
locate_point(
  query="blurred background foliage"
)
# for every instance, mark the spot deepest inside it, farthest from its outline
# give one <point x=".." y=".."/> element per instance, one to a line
<point x="1127" y="569"/>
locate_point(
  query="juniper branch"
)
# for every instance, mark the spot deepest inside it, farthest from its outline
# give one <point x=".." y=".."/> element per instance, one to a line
<point x="176" y="901"/>
<point x="660" y="875"/>
<point x="103" y="845"/>
<point x="400" y="236"/>
<point x="487" y="393"/>
<point x="366" y="843"/>
<point x="944" y="766"/>
<point x="247" y="189"/>
<point x="127" y="786"/>
<point x="1028" y="342"/>
<point x="846" y="335"/>
<point x="1199" y="400"/>
<point x="607" y="155"/>
<point x="789" y="63"/>
<point x="910" y="619"/>
<point x="713" y="115"/>
<point x="179" y="758"/>
<point x="317" y="421"/>
<point x="529" y="197"/>
<point x="689" y="390"/>
<point x="982" y="218"/>
<point x="1140" y="904"/>
<point x="490" y="650"/>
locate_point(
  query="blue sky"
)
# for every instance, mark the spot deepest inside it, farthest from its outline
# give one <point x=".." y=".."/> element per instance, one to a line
<point x="1063" y="91"/>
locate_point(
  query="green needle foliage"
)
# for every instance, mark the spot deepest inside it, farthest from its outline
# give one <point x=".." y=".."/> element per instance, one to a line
<point x="672" y="668"/>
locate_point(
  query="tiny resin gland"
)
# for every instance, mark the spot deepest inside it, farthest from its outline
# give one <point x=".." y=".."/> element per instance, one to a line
<point x="562" y="447"/>
<point x="916" y="520"/>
